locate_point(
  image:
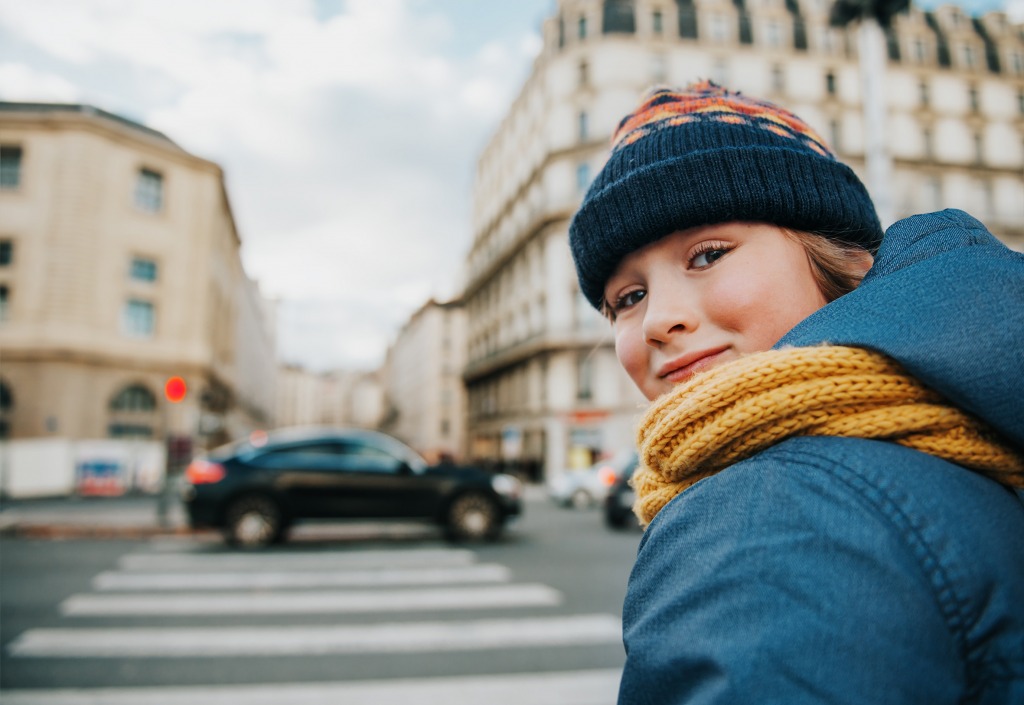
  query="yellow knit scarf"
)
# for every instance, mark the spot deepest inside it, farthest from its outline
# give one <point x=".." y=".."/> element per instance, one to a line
<point x="733" y="411"/>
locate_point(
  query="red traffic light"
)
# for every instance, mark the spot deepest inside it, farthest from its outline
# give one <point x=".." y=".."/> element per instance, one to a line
<point x="175" y="389"/>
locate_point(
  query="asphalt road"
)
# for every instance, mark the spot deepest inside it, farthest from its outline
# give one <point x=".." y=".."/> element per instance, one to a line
<point x="532" y="619"/>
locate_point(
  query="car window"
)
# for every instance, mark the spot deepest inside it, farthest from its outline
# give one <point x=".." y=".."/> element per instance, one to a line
<point x="362" y="457"/>
<point x="307" y="455"/>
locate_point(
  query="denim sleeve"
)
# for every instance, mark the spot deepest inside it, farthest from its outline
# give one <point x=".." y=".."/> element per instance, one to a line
<point x="781" y="581"/>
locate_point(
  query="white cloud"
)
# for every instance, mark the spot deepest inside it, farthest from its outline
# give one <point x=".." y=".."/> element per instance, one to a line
<point x="23" y="83"/>
<point x="348" y="142"/>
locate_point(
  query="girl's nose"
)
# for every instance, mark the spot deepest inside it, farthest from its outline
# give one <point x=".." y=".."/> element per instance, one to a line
<point x="665" y="317"/>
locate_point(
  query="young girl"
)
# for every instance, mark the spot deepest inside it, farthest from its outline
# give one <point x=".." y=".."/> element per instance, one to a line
<point x="830" y="460"/>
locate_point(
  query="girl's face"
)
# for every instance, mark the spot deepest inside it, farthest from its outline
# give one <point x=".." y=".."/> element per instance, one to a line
<point x="704" y="296"/>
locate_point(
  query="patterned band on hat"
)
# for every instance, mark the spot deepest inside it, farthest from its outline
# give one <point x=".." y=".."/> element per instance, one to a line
<point x="706" y="101"/>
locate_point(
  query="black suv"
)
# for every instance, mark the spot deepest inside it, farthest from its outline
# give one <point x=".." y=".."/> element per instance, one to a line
<point x="255" y="489"/>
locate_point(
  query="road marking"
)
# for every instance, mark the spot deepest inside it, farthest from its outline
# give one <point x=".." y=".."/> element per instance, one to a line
<point x="333" y="602"/>
<point x="409" y="637"/>
<point x="291" y="560"/>
<point x="594" y="687"/>
<point x="482" y="573"/>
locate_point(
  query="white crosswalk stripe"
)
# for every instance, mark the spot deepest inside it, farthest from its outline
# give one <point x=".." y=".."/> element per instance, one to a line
<point x="183" y="585"/>
<point x="597" y="687"/>
<point x="305" y="560"/>
<point x="121" y="580"/>
<point x="136" y="642"/>
<point x="335" y="602"/>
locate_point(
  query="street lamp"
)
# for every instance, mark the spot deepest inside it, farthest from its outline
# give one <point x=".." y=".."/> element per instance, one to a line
<point x="874" y="16"/>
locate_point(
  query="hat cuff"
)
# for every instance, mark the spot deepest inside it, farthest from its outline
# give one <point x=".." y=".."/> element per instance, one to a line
<point x="783" y="187"/>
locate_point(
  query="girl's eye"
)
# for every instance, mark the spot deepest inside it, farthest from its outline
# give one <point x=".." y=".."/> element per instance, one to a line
<point x="630" y="298"/>
<point x="707" y="257"/>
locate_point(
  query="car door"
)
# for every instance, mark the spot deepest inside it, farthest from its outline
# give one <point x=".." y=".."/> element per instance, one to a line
<point x="304" y="475"/>
<point x="375" y="482"/>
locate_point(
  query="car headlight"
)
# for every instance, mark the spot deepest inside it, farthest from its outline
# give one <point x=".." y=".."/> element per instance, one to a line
<point x="507" y="486"/>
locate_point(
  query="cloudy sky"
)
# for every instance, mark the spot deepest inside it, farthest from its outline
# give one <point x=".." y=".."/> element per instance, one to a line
<point x="348" y="131"/>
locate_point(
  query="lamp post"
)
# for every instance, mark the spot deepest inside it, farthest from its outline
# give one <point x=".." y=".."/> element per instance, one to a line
<point x="178" y="445"/>
<point x="874" y="17"/>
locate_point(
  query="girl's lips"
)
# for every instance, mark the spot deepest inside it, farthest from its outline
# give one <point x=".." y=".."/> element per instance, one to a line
<point x="685" y="367"/>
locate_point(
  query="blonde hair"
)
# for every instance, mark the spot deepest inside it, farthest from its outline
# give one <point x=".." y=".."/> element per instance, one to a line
<point x="837" y="266"/>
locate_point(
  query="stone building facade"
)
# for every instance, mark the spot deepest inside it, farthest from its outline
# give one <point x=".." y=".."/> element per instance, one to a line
<point x="121" y="269"/>
<point x="426" y="397"/>
<point x="543" y="383"/>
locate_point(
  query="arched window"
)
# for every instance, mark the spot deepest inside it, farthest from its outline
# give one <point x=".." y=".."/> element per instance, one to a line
<point x="133" y="413"/>
<point x="134" y="398"/>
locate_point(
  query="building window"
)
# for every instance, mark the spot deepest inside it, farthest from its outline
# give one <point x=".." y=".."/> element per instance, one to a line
<point x="972" y="98"/>
<point x="582" y="176"/>
<point x="581" y="28"/>
<point x="1020" y="101"/>
<point x="830" y="83"/>
<point x="138" y="319"/>
<point x="659" y="70"/>
<point x="6" y="406"/>
<point x="968" y="53"/>
<point x="5" y="301"/>
<point x="979" y="148"/>
<point x="134" y="398"/>
<point x="584" y="73"/>
<point x="778" y="79"/>
<point x="824" y="40"/>
<point x="719" y="28"/>
<point x="583" y="126"/>
<point x="657" y="22"/>
<point x="720" y="72"/>
<point x="149" y="191"/>
<point x="584" y="378"/>
<point x="132" y="413"/>
<point x="10" y="166"/>
<point x="619" y="17"/>
<point x="687" y="19"/>
<point x="834" y="134"/>
<point x="926" y="138"/>
<point x="932" y="193"/>
<point x="6" y="253"/>
<point x="1017" y="63"/>
<point x="773" y="34"/>
<point x="923" y="94"/>
<point x="919" y="51"/>
<point x="143" y="270"/>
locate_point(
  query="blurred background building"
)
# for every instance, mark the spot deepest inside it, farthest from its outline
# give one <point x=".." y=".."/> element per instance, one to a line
<point x="119" y="269"/>
<point x="334" y="398"/>
<point x="543" y="383"/>
<point x="120" y="266"/>
<point x="426" y="397"/>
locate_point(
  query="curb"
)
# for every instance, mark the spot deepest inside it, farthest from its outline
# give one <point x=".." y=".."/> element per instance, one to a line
<point x="73" y="531"/>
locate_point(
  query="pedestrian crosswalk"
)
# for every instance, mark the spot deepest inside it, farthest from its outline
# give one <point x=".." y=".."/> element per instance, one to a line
<point x="357" y="602"/>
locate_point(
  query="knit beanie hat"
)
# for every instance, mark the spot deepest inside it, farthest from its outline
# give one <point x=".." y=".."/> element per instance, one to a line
<point x="705" y="155"/>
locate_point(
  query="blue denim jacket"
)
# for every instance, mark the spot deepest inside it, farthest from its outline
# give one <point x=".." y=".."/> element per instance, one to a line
<point x="844" y="570"/>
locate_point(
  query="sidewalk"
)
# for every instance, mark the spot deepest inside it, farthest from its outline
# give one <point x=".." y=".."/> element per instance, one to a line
<point x="134" y="516"/>
<point x="139" y="516"/>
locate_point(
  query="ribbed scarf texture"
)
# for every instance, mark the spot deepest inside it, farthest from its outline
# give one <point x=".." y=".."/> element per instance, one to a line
<point x="736" y="410"/>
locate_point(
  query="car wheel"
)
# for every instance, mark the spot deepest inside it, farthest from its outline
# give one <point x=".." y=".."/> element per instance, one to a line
<point x="472" y="517"/>
<point x="581" y="499"/>
<point x="615" y="520"/>
<point x="254" y="521"/>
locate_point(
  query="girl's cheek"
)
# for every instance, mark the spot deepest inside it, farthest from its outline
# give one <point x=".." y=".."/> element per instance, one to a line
<point x="631" y="351"/>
